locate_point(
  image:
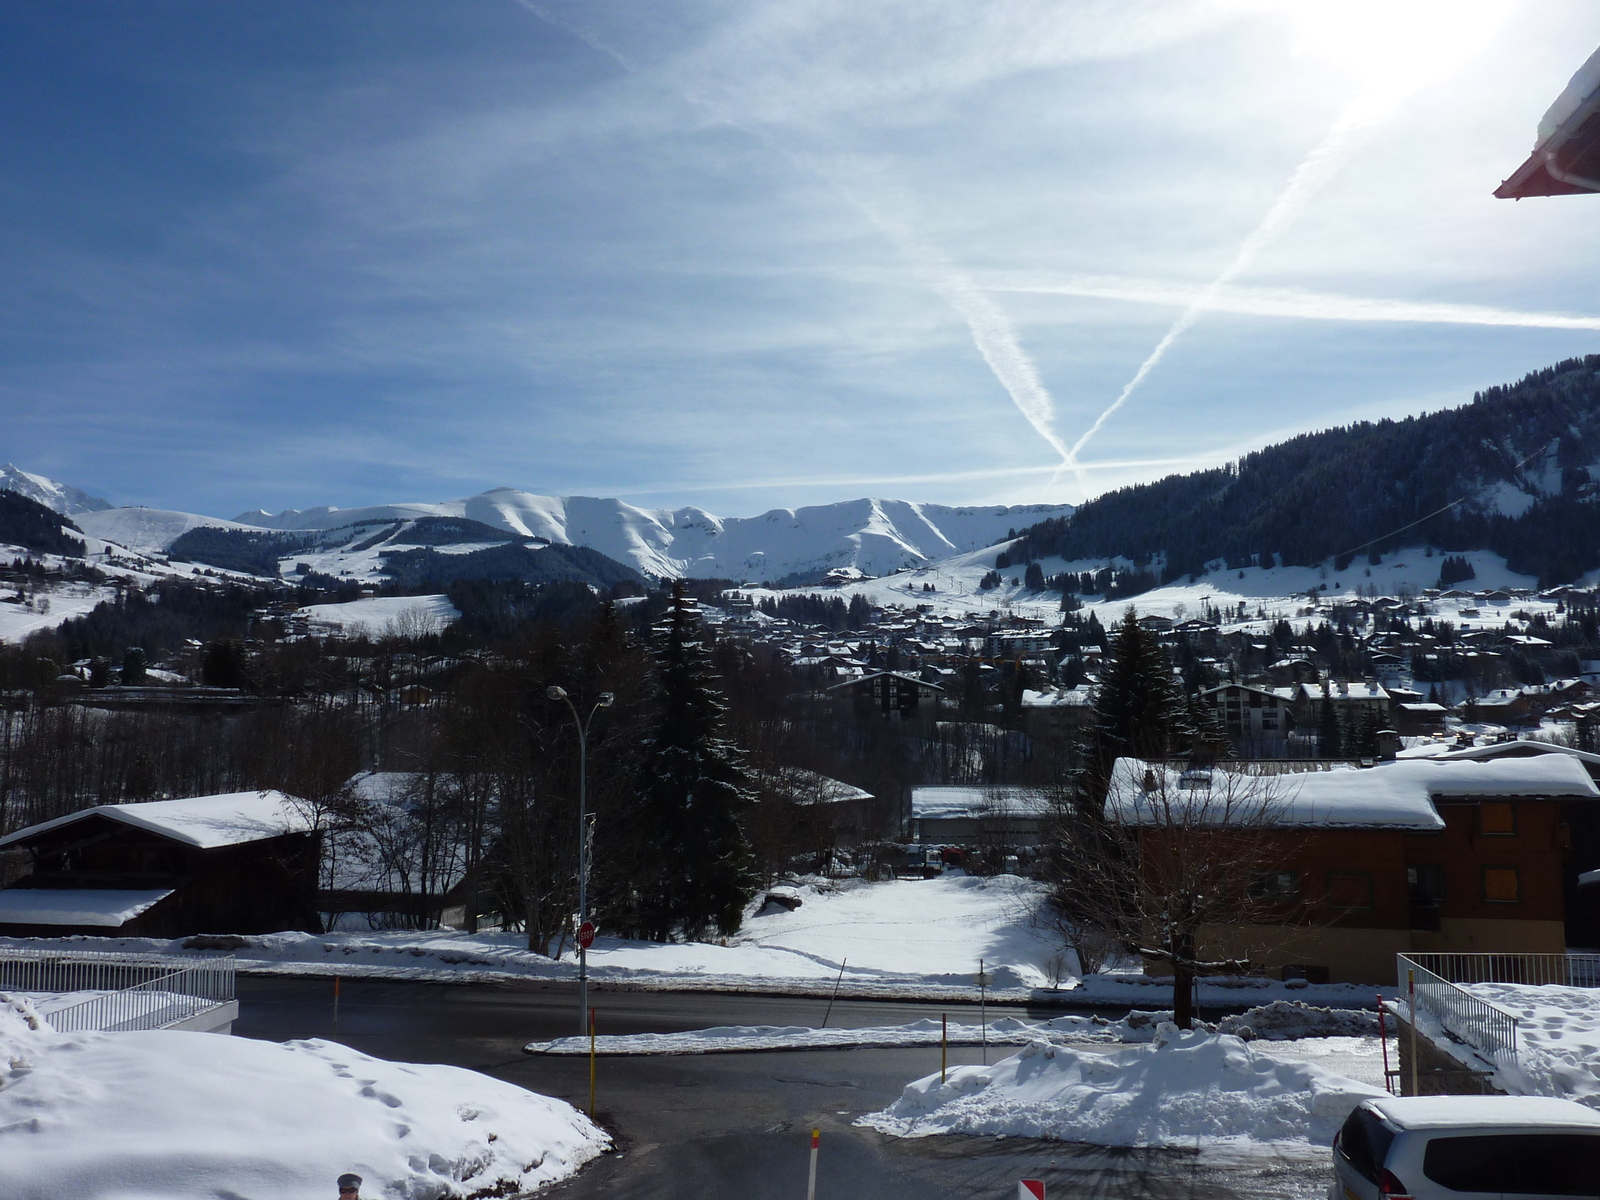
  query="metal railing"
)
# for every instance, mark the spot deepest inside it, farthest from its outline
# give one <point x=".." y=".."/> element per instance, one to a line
<point x="1536" y="970"/>
<point x="120" y="992"/>
<point x="1489" y="1029"/>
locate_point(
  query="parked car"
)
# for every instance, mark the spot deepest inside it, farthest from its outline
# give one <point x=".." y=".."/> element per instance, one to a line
<point x="1438" y="1147"/>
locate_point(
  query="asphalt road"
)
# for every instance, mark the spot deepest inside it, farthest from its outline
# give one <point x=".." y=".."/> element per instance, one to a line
<point x="737" y="1125"/>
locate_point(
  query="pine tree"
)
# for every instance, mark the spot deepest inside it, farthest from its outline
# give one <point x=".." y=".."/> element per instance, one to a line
<point x="1138" y="706"/>
<point x="1330" y="736"/>
<point x="694" y="869"/>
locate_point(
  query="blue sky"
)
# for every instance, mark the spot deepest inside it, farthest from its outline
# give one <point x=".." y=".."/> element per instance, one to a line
<point x="758" y="253"/>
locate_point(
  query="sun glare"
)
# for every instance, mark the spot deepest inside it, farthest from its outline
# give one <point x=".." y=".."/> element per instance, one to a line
<point x="1396" y="45"/>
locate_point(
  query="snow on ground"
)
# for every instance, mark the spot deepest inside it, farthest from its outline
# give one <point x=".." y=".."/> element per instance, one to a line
<point x="376" y="615"/>
<point x="1182" y="1089"/>
<point x="1558" y="1038"/>
<point x="180" y="1115"/>
<point x="908" y="939"/>
<point x="1280" y="591"/>
<point x="60" y="604"/>
<point x="936" y="928"/>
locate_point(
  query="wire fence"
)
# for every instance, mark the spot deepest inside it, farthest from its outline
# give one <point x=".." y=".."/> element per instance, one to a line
<point x="84" y="990"/>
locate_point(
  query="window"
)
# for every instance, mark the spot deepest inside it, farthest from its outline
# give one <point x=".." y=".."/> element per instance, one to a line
<point x="1364" y="1142"/>
<point x="1501" y="885"/>
<point x="1275" y="885"/>
<point x="1349" y="889"/>
<point x="1425" y="882"/>
<point x="1497" y="818"/>
<point x="1548" y="1164"/>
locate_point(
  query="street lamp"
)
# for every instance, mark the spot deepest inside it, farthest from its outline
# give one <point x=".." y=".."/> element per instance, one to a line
<point x="605" y="701"/>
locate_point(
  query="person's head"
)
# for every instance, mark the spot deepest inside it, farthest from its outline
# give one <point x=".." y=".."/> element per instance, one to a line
<point x="349" y="1187"/>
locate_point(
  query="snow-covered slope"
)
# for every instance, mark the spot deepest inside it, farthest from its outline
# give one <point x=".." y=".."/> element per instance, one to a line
<point x="146" y="530"/>
<point x="873" y="536"/>
<point x="68" y="501"/>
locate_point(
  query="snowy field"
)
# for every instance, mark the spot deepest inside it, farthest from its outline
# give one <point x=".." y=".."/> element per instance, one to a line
<point x="181" y="1115"/>
<point x="18" y="621"/>
<point x="907" y="939"/>
<point x="377" y="615"/>
<point x="1279" y="591"/>
<point x="1194" y="1089"/>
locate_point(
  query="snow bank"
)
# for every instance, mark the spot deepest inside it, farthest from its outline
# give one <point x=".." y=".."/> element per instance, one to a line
<point x="181" y="1115"/>
<point x="1181" y="1089"/>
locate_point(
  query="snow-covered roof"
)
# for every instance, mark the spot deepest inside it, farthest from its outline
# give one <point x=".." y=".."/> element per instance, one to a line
<point x="203" y="821"/>
<point x="886" y="675"/>
<point x="1464" y="1112"/>
<point x="944" y="803"/>
<point x="1519" y="748"/>
<point x="1342" y="690"/>
<point x="1398" y="795"/>
<point x="106" y="908"/>
<point x="1078" y="697"/>
<point x="815" y="788"/>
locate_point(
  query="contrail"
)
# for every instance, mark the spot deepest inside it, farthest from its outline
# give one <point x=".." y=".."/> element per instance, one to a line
<point x="991" y="329"/>
<point x="1313" y="173"/>
<point x="1278" y="302"/>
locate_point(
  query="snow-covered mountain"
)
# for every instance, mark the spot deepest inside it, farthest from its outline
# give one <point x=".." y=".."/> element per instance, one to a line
<point x="68" y="501"/>
<point x="872" y="536"/>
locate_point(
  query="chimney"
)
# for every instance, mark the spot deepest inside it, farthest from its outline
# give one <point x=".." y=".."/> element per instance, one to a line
<point x="1344" y="687"/>
<point x="1388" y="745"/>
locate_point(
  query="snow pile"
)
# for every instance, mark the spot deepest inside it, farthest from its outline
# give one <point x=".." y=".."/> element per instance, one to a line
<point x="182" y="1115"/>
<point x="1283" y="1020"/>
<point x="1181" y="1089"/>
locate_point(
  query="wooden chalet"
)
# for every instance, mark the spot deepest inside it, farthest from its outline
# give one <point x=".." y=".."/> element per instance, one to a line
<point x="890" y="694"/>
<point x="239" y="863"/>
<point x="1447" y="854"/>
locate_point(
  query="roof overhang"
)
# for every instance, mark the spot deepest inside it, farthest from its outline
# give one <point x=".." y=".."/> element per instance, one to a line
<point x="1566" y="160"/>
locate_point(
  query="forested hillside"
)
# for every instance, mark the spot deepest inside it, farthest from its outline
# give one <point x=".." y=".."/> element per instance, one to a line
<point x="27" y="523"/>
<point x="1513" y="472"/>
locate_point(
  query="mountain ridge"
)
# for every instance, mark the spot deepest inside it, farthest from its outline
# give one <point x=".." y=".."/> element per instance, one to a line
<point x="1516" y="471"/>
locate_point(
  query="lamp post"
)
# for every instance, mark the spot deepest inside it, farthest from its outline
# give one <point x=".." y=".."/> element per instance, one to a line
<point x="582" y="725"/>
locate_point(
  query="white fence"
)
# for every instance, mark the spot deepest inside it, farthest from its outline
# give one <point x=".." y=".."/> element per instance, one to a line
<point x="114" y="991"/>
<point x="1486" y="1027"/>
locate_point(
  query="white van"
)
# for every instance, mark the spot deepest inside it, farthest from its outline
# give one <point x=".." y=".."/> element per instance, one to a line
<point x="1439" y="1147"/>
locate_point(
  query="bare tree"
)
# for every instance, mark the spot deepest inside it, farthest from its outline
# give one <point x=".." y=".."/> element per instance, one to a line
<point x="1180" y="864"/>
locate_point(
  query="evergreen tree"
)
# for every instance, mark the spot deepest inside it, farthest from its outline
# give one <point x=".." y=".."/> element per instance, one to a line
<point x="693" y="868"/>
<point x="1033" y="577"/>
<point x="134" y="665"/>
<point x="1138" y="707"/>
<point x="1330" y="737"/>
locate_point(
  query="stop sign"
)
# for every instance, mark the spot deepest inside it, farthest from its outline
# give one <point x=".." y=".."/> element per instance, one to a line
<point x="586" y="934"/>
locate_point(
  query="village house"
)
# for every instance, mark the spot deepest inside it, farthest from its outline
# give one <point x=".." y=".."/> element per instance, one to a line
<point x="239" y="863"/>
<point x="890" y="694"/>
<point x="1252" y="714"/>
<point x="979" y="816"/>
<point x="1449" y="854"/>
<point x="1350" y="700"/>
